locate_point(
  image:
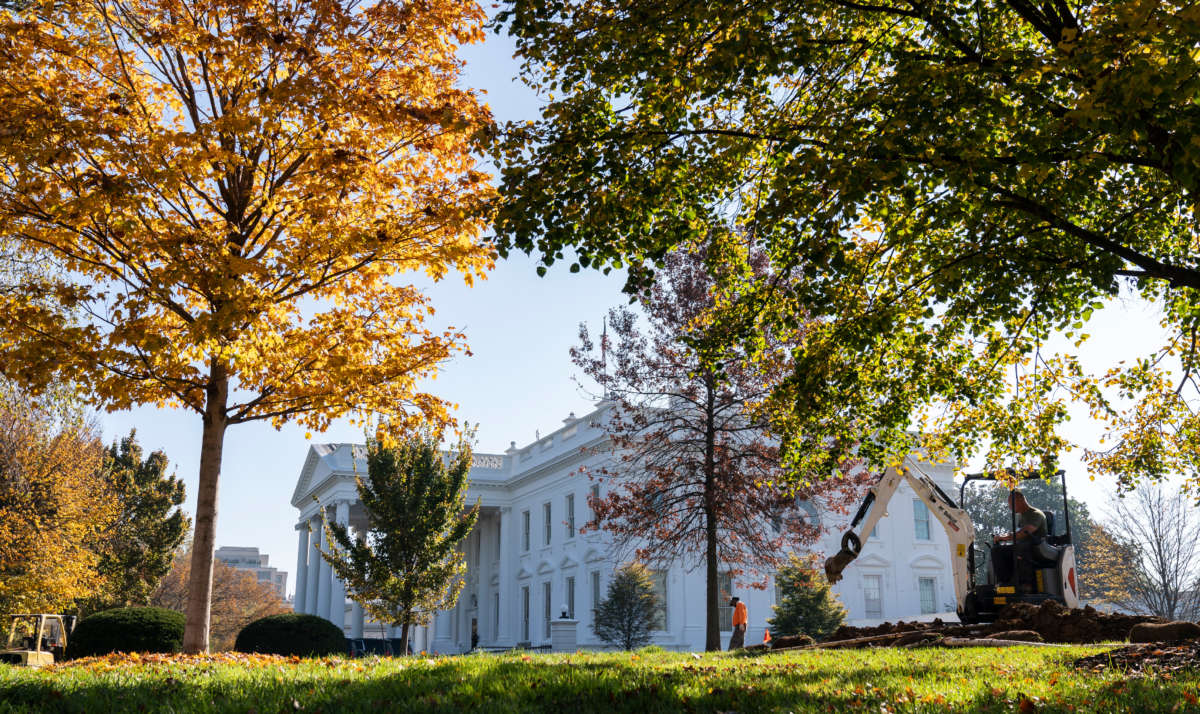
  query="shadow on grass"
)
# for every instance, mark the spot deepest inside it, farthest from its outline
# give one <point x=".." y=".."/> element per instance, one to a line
<point x="558" y="685"/>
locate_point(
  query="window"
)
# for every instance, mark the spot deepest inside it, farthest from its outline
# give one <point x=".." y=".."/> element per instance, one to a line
<point x="525" y="530"/>
<point x="595" y="497"/>
<point x="571" y="597"/>
<point x="525" y="613"/>
<point x="546" y="612"/>
<point x="921" y="519"/>
<point x="724" y="610"/>
<point x="873" y="593"/>
<point x="495" y="616"/>
<point x="659" y="577"/>
<point x="928" y="589"/>
<point x="546" y="516"/>
<point x="596" y="596"/>
<point x="570" y="516"/>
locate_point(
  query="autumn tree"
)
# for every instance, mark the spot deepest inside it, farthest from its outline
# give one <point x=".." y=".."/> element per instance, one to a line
<point x="807" y="605"/>
<point x="139" y="546"/>
<point x="54" y="505"/>
<point x="629" y="609"/>
<point x="236" y="192"/>
<point x="1148" y="558"/>
<point x="407" y="565"/>
<point x="238" y="598"/>
<point x="695" y="470"/>
<point x="942" y="188"/>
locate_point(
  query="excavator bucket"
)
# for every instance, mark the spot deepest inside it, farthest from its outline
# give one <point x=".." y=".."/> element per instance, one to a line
<point x="835" y="565"/>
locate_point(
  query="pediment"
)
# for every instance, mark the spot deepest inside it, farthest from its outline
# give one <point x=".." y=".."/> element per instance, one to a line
<point x="593" y="554"/>
<point x="926" y="561"/>
<point x="524" y="572"/>
<point x="567" y="562"/>
<point x="872" y="561"/>
<point x="545" y="567"/>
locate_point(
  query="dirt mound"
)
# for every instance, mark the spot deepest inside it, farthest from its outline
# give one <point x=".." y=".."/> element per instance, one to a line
<point x="1051" y="620"/>
<point x="1056" y="623"/>
<point x="1138" y="659"/>
<point x="1164" y="632"/>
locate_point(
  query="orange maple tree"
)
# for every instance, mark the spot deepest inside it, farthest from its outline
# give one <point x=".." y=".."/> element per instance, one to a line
<point x="228" y="190"/>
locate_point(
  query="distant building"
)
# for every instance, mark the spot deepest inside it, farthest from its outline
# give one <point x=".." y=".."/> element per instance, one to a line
<point x="250" y="559"/>
<point x="527" y="560"/>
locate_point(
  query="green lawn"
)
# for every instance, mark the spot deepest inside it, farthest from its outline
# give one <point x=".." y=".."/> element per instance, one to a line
<point x="977" y="679"/>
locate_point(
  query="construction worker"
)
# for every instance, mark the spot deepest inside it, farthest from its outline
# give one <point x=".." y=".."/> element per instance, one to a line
<point x="1031" y="529"/>
<point x="738" y="639"/>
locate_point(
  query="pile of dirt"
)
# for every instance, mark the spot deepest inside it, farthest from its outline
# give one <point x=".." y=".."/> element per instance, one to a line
<point x="1138" y="659"/>
<point x="846" y="632"/>
<point x="1056" y="623"/>
<point x="1050" y="620"/>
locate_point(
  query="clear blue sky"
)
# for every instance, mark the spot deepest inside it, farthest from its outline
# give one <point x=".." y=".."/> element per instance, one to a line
<point x="518" y="379"/>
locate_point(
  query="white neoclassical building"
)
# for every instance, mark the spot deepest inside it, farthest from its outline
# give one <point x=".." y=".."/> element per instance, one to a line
<point x="527" y="561"/>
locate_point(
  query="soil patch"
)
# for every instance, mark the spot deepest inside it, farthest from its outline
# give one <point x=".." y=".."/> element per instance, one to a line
<point x="1050" y="620"/>
<point x="1139" y="659"/>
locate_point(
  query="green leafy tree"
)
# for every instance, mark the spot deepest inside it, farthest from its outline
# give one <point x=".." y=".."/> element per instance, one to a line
<point x="629" y="610"/>
<point x="807" y="606"/>
<point x="139" y="547"/>
<point x="941" y="187"/>
<point x="407" y="566"/>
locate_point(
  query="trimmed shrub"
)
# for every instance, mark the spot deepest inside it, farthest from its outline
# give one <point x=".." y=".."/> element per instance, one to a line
<point x="292" y="634"/>
<point x="127" y="629"/>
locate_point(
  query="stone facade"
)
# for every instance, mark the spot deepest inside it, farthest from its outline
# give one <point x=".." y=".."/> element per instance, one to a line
<point x="527" y="562"/>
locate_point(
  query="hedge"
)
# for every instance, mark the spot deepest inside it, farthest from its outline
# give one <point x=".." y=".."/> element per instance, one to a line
<point x="292" y="634"/>
<point x="127" y="629"/>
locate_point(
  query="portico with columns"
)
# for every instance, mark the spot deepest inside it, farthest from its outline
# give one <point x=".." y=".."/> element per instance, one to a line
<point x="527" y="560"/>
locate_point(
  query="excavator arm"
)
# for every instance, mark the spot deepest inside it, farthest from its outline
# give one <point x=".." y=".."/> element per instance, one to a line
<point x="954" y="520"/>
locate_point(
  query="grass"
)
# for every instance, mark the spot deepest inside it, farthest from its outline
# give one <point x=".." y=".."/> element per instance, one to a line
<point x="975" y="680"/>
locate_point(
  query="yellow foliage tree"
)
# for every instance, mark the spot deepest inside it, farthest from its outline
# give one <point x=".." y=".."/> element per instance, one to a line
<point x="53" y="506"/>
<point x="233" y="188"/>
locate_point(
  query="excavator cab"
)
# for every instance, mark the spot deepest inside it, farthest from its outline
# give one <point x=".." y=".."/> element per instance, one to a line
<point x="1039" y="571"/>
<point x="1046" y="573"/>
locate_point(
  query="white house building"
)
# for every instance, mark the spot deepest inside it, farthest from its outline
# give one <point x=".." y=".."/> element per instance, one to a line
<point x="527" y="561"/>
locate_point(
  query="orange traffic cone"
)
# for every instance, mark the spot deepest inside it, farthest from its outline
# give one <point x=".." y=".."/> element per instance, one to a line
<point x="766" y="636"/>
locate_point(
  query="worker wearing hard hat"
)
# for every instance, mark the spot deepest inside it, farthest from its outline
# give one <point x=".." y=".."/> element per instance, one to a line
<point x="738" y="639"/>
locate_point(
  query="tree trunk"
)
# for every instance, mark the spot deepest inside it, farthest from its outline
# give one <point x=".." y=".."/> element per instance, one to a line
<point x="712" y="622"/>
<point x="403" y="639"/>
<point x="199" y="595"/>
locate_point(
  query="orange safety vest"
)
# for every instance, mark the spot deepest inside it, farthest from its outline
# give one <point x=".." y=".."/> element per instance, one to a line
<point x="739" y="614"/>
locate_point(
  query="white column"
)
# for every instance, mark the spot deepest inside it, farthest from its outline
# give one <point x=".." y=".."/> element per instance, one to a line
<point x="313" y="578"/>
<point x="301" y="589"/>
<point x="356" y="609"/>
<point x="483" y="610"/>
<point x="509" y="615"/>
<point x="337" y="589"/>
<point x="323" y="580"/>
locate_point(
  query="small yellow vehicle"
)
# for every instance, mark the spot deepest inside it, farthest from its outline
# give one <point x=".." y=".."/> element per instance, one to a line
<point x="35" y="640"/>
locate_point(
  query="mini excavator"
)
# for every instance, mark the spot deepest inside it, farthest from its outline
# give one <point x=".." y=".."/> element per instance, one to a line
<point x="1047" y="573"/>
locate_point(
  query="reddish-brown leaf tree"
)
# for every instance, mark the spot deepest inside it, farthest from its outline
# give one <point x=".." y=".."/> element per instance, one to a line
<point x="694" y="466"/>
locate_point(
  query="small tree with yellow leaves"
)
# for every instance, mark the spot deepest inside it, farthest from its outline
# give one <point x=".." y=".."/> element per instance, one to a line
<point x="54" y="505"/>
<point x="233" y="191"/>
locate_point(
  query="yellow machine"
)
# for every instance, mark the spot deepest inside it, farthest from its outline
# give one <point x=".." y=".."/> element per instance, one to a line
<point x="36" y="640"/>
